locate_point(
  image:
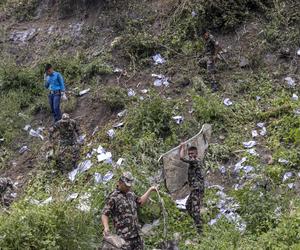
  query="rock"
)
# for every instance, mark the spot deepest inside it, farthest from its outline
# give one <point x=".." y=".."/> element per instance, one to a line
<point x="244" y="62"/>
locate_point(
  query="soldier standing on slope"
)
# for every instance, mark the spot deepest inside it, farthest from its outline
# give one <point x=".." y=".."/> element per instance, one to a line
<point x="67" y="148"/>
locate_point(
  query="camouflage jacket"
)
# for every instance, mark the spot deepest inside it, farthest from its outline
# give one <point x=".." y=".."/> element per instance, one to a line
<point x="122" y="208"/>
<point x="5" y="183"/>
<point x="68" y="131"/>
<point x="195" y="173"/>
<point x="210" y="46"/>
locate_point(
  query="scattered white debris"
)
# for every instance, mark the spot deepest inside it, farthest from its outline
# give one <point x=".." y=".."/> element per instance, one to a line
<point x="290" y="81"/>
<point x="298" y="52"/>
<point x="147" y="229"/>
<point x="41" y="203"/>
<point x="227" y="102"/>
<point x="178" y="119"/>
<point x="144" y="91"/>
<point x="222" y="169"/>
<point x="287" y="176"/>
<point x="260" y="124"/>
<point x="130" y="92"/>
<point x="194" y="13"/>
<point x="284" y="161"/>
<point x="81" y="139"/>
<point x="297" y="112"/>
<point x="83" y="92"/>
<point x="160" y="80"/>
<point x="36" y="133"/>
<point x="181" y="203"/>
<point x="291" y="185"/>
<point x="249" y="144"/>
<point x="27" y="127"/>
<point x="263" y="131"/>
<point x="295" y="97"/>
<point x="252" y="151"/>
<point x="258" y="98"/>
<point x="82" y="167"/>
<point x="100" y="150"/>
<point x="118" y="70"/>
<point x="23" y="36"/>
<point x="96" y="129"/>
<point x="120" y="161"/>
<point x="72" y="196"/>
<point x="122" y="113"/>
<point x="239" y="165"/>
<point x="98" y="178"/>
<point x="118" y="125"/>
<point x="104" y="156"/>
<point x="23" y="149"/>
<point x="2" y="139"/>
<point x="84" y="203"/>
<point x="248" y="169"/>
<point x="111" y="133"/>
<point x="254" y="133"/>
<point x="158" y="59"/>
<point x="277" y="212"/>
<point x="108" y="176"/>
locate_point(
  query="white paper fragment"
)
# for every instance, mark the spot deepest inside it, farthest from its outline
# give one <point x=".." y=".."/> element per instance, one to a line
<point x="72" y="196"/>
<point x="260" y="124"/>
<point x="131" y="92"/>
<point x="181" y="203"/>
<point x="254" y="133"/>
<point x="178" y="119"/>
<point x="291" y="185"/>
<point x="144" y="91"/>
<point x="122" y="113"/>
<point x="290" y="81"/>
<point x="104" y="156"/>
<point x="23" y="149"/>
<point x="120" y="161"/>
<point x="258" y="98"/>
<point x="287" y="176"/>
<point x="108" y="176"/>
<point x="158" y="59"/>
<point x="118" y="125"/>
<point x="111" y="133"/>
<point x="81" y="139"/>
<point x="83" y="92"/>
<point x="194" y="13"/>
<point x="249" y="144"/>
<point x="82" y="167"/>
<point x="160" y="80"/>
<point x="98" y="178"/>
<point x="100" y="150"/>
<point x="297" y="112"/>
<point x="298" y="52"/>
<point x="84" y="203"/>
<point x="222" y="169"/>
<point x="227" y="102"/>
<point x="34" y="133"/>
<point x="295" y="97"/>
<point x="239" y="165"/>
<point x="252" y="151"/>
<point x="284" y="161"/>
<point x="263" y="131"/>
<point x="27" y="127"/>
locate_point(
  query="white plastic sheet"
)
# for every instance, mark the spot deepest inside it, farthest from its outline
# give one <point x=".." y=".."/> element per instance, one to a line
<point x="249" y="144"/>
<point x="181" y="203"/>
<point x="227" y="102"/>
<point x="178" y="119"/>
<point x="158" y="59"/>
<point x="83" y="92"/>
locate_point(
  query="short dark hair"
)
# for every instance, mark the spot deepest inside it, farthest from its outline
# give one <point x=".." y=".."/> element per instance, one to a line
<point x="203" y="31"/>
<point x="192" y="148"/>
<point x="48" y="66"/>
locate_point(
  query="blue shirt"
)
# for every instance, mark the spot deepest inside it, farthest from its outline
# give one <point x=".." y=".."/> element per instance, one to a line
<point x="55" y="82"/>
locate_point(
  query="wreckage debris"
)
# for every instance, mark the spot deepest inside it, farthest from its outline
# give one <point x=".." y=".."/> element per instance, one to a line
<point x="158" y="59"/>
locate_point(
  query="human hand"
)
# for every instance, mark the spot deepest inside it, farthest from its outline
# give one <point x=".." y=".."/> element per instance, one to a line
<point x="106" y="232"/>
<point x="154" y="188"/>
<point x="64" y="96"/>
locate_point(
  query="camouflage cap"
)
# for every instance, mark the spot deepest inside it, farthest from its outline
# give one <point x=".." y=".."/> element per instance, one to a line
<point x="127" y="178"/>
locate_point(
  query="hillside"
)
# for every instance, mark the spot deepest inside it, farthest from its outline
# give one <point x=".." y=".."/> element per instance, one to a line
<point x="107" y="48"/>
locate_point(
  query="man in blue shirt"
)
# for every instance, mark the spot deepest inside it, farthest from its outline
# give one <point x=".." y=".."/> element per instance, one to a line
<point x="55" y="83"/>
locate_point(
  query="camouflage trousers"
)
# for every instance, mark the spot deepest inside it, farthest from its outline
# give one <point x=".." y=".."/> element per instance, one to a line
<point x="67" y="157"/>
<point x="193" y="206"/>
<point x="135" y="243"/>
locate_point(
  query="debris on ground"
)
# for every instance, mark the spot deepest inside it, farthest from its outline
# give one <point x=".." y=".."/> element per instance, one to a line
<point x="41" y="203"/>
<point x="244" y="62"/>
<point x="194" y="13"/>
<point x="295" y="97"/>
<point x="283" y="161"/>
<point x="178" y="119"/>
<point x="252" y="151"/>
<point x="298" y="52"/>
<point x="98" y="178"/>
<point x="118" y="125"/>
<point x="227" y="102"/>
<point x="72" y="196"/>
<point x="119" y="161"/>
<point x="36" y="133"/>
<point x="297" y="112"/>
<point x="287" y="176"/>
<point x="23" y="149"/>
<point x="122" y="113"/>
<point x="82" y="167"/>
<point x="144" y="91"/>
<point x="254" y="133"/>
<point x="181" y="203"/>
<point x="160" y="80"/>
<point x="27" y="127"/>
<point x="83" y="92"/>
<point x="111" y="133"/>
<point x="290" y="81"/>
<point x="84" y="203"/>
<point x="130" y="92"/>
<point x="158" y="59"/>
<point x="147" y="229"/>
<point x="249" y="144"/>
<point x="108" y="176"/>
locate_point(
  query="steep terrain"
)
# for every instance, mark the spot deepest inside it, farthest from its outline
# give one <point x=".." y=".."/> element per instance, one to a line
<point x="252" y="195"/>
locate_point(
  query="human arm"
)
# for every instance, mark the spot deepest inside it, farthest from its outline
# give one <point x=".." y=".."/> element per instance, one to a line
<point x="46" y="83"/>
<point x="105" y="219"/>
<point x="181" y="151"/>
<point x="61" y="82"/>
<point x="143" y="199"/>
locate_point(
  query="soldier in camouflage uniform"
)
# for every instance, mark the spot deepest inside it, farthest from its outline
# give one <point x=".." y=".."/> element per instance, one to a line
<point x="67" y="148"/>
<point x="6" y="186"/>
<point x="121" y="206"/>
<point x="211" y="50"/>
<point x="196" y="183"/>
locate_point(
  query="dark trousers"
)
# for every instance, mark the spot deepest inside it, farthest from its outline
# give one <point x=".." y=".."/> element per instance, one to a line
<point x="54" y="101"/>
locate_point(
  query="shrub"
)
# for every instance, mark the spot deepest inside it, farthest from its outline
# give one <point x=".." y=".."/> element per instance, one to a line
<point x="114" y="97"/>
